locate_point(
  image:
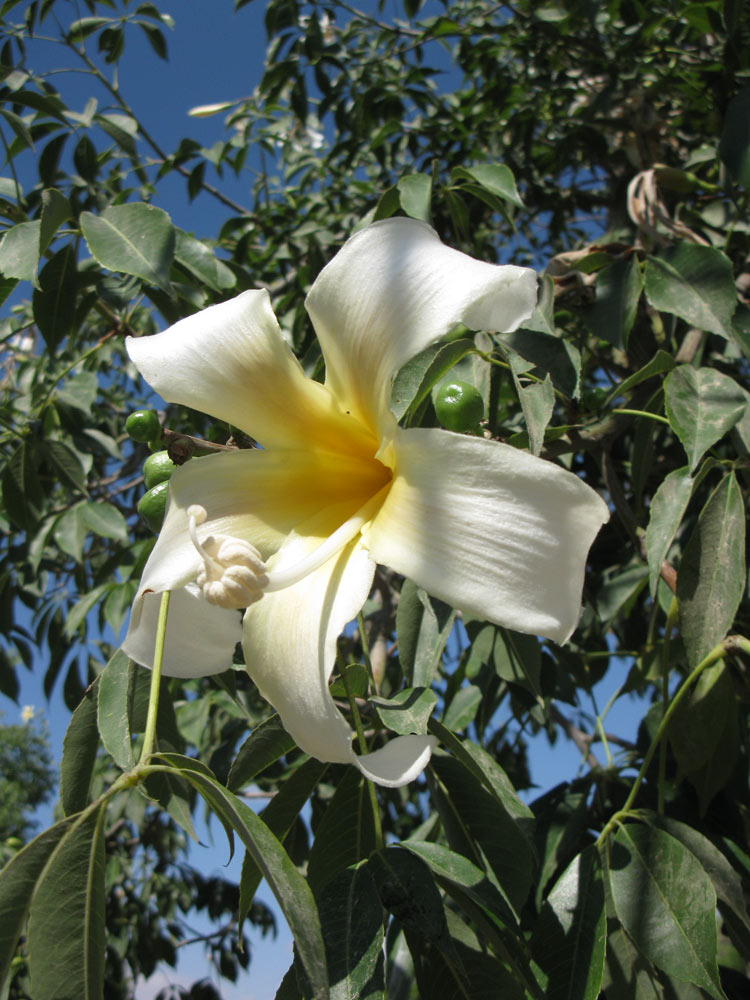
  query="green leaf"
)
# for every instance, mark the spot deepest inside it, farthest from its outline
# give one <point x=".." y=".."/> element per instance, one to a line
<point x="135" y="239"/>
<point x="346" y="834"/>
<point x="661" y="362"/>
<point x="66" y="923"/>
<point x="407" y="711"/>
<point x="552" y="355"/>
<point x="711" y="577"/>
<point x="695" y="283"/>
<point x="697" y="724"/>
<point x="702" y="405"/>
<point x="618" y="291"/>
<point x="115" y="700"/>
<point x="627" y="974"/>
<point x="455" y="872"/>
<point x="80" y="392"/>
<point x="413" y="382"/>
<point x="352" y="921"/>
<point x="570" y="935"/>
<point x="17" y="881"/>
<point x="82" y="607"/>
<point x="266" y="743"/>
<point x="105" y="519"/>
<point x="666" y="903"/>
<point x="462" y="708"/>
<point x="667" y="510"/>
<point x="726" y="881"/>
<point x="288" y="886"/>
<point x="199" y="259"/>
<point x="537" y="402"/>
<point x="415" y="194"/>
<point x="495" y="177"/>
<point x="472" y="818"/>
<point x="734" y="146"/>
<point x="422" y="629"/>
<point x="69" y="532"/>
<point x="562" y="817"/>
<point x="486" y="770"/>
<point x="279" y="816"/>
<point x="407" y="890"/>
<point x="65" y="462"/>
<point x="79" y="753"/>
<point x="54" y="301"/>
<point x="19" y="252"/>
<point x="55" y="210"/>
<point x="518" y="660"/>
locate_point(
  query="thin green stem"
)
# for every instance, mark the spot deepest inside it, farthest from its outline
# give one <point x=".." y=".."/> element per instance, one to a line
<point x="641" y="413"/>
<point x="731" y="642"/>
<point x="153" y="698"/>
<point x="672" y="617"/>
<point x="359" y="729"/>
<point x="365" y="649"/>
<point x="600" y="730"/>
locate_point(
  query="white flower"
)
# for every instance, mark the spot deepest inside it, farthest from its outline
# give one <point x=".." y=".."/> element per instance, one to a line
<point x="294" y="530"/>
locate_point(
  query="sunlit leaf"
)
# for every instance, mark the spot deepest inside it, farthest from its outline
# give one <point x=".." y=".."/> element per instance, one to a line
<point x="702" y="405"/>
<point x="711" y="577"/>
<point x="667" y="905"/>
<point x="66" y="923"/>
<point x="135" y="238"/>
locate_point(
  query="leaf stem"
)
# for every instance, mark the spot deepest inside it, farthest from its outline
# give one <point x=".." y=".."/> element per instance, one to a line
<point x="153" y="698"/>
<point x="641" y="413"/>
<point x="672" y="616"/>
<point x="732" y="642"/>
<point x="362" y="741"/>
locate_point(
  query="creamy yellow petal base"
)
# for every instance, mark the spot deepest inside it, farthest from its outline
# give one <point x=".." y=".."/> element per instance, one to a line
<point x="231" y="361"/>
<point x="254" y="495"/>
<point x="489" y="529"/>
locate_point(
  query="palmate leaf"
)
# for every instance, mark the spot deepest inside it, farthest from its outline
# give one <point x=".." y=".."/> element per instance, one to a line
<point x="570" y="935"/>
<point x="66" y="922"/>
<point x="666" y="903"/>
<point x="288" y="886"/>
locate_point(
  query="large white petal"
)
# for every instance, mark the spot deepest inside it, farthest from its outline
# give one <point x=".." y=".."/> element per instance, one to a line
<point x="289" y="638"/>
<point x="392" y="290"/>
<point x="489" y="529"/>
<point x="200" y="638"/>
<point x="290" y="647"/>
<point x="254" y="495"/>
<point x="231" y="362"/>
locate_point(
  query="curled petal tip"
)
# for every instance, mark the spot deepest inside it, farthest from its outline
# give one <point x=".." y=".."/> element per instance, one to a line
<point x="400" y="761"/>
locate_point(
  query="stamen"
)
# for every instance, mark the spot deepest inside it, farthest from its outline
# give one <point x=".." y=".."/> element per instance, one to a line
<point x="235" y="576"/>
<point x="233" y="573"/>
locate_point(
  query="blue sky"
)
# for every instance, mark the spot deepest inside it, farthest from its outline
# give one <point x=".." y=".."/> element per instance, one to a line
<point x="217" y="55"/>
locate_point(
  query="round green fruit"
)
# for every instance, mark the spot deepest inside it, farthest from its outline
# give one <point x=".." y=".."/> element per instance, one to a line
<point x="143" y="425"/>
<point x="459" y="406"/>
<point x="152" y="505"/>
<point x="157" y="469"/>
